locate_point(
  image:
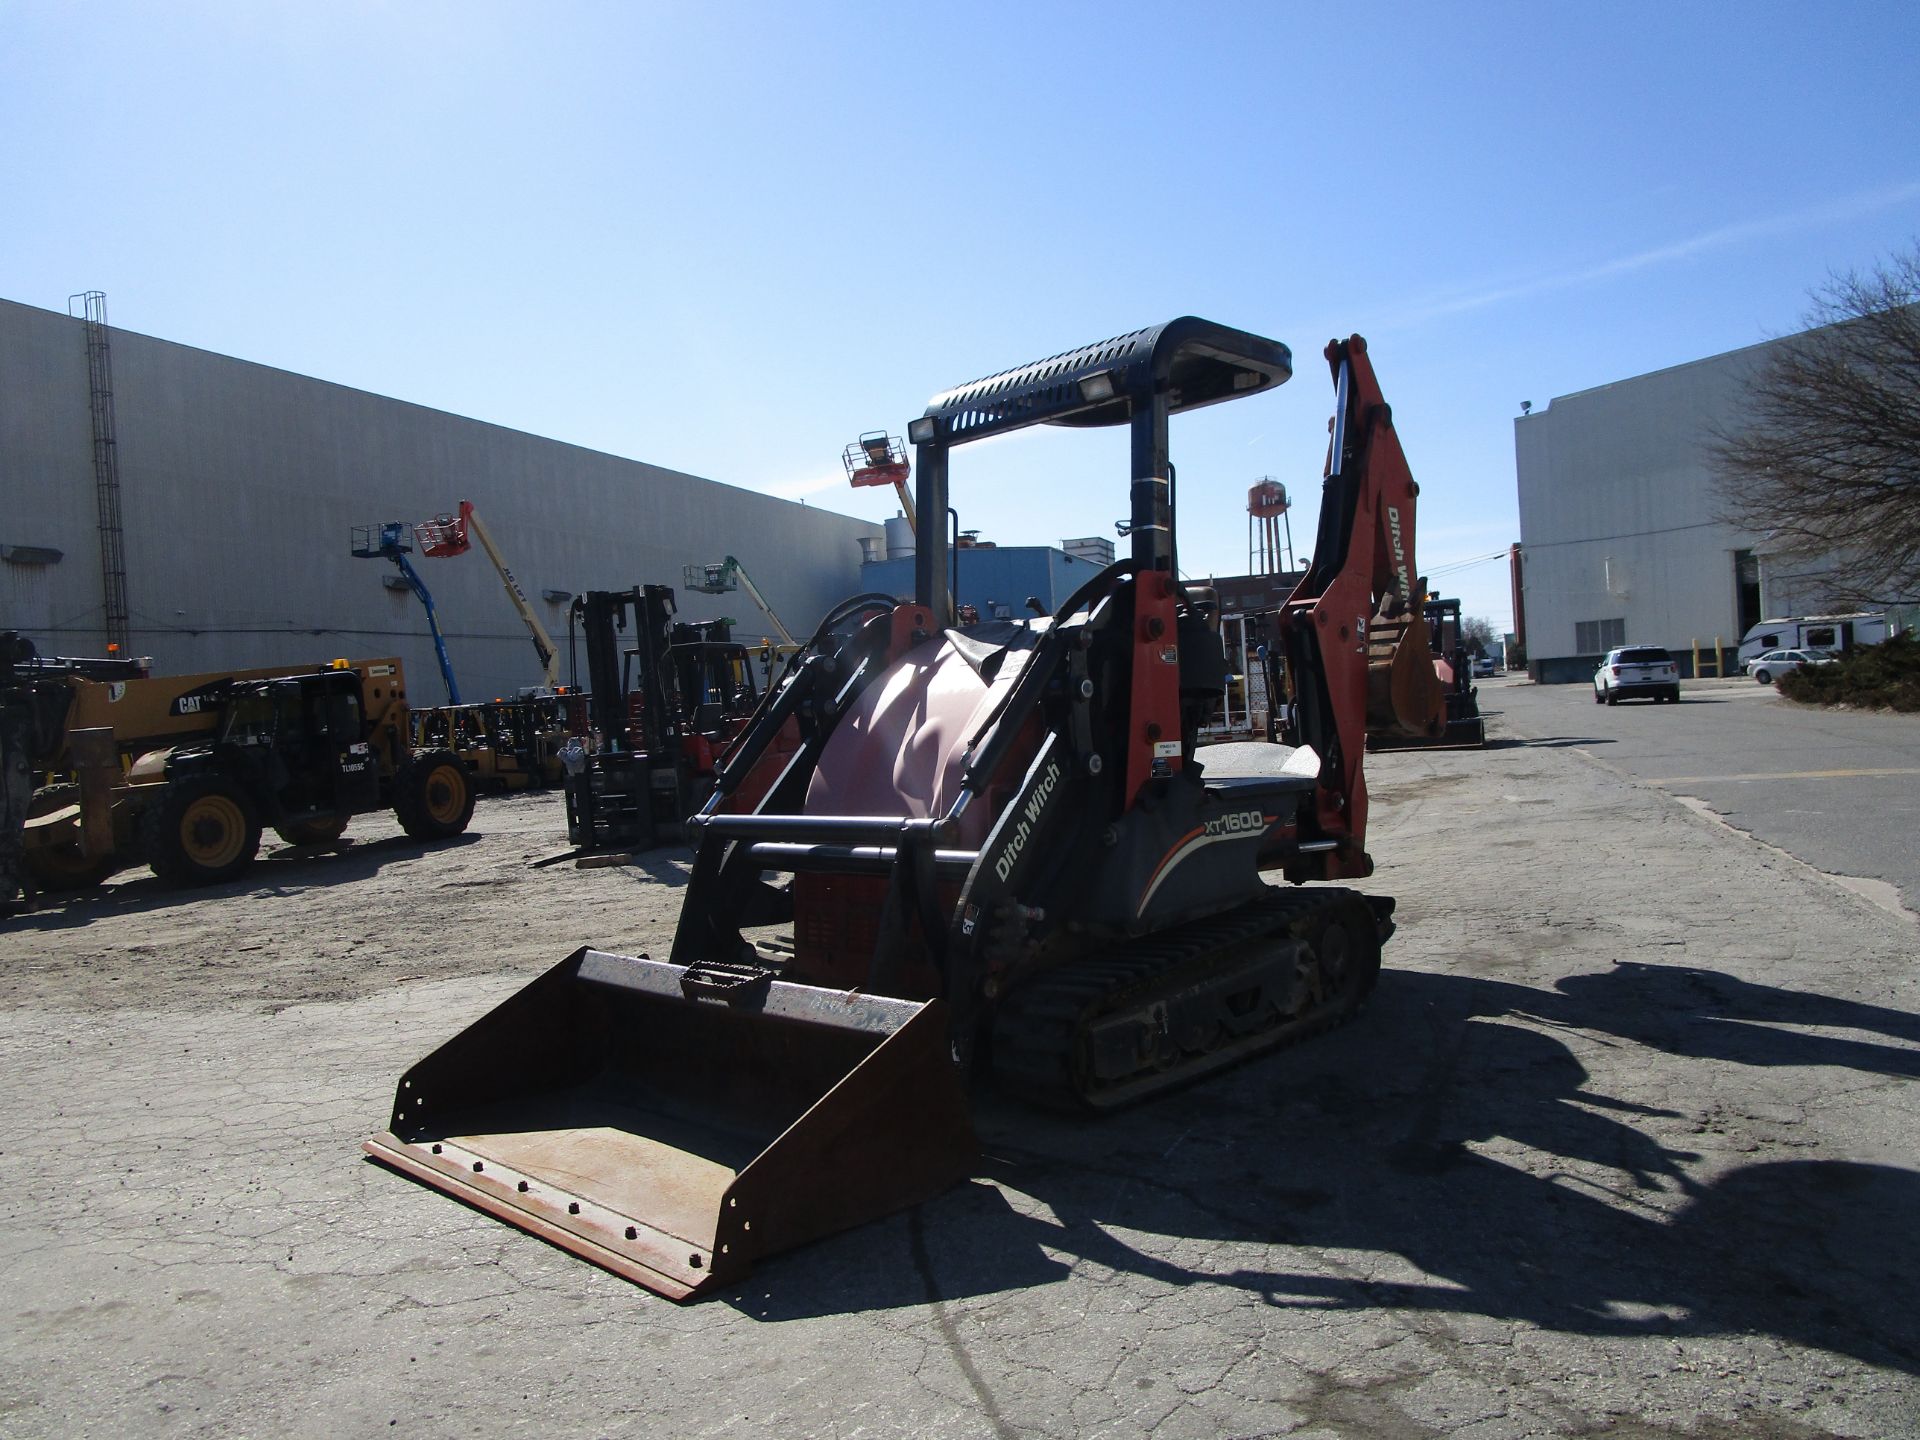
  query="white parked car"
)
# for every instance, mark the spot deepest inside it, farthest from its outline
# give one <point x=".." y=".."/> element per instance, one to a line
<point x="1771" y="666"/>
<point x="1636" y="671"/>
<point x="1482" y="666"/>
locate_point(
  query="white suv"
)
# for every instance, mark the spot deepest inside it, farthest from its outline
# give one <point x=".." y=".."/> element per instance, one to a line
<point x="1645" y="671"/>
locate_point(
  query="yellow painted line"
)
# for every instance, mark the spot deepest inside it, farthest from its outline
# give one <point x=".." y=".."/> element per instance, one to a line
<point x="1781" y="775"/>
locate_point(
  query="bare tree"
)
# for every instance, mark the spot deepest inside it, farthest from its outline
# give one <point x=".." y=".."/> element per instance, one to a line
<point x="1478" y="634"/>
<point x="1827" y="462"/>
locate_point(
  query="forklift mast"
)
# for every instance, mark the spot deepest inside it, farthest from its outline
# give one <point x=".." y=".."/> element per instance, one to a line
<point x="603" y="616"/>
<point x="634" y="786"/>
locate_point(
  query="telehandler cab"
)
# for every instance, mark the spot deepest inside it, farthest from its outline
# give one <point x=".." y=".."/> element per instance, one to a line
<point x="299" y="753"/>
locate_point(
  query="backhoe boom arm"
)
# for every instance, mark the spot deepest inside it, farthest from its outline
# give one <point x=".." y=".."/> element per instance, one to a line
<point x="1353" y="631"/>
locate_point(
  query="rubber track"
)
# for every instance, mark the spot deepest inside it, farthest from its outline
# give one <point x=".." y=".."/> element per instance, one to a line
<point x="1040" y="1023"/>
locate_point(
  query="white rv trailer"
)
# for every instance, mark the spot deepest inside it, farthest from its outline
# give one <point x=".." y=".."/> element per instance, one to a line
<point x="1828" y="634"/>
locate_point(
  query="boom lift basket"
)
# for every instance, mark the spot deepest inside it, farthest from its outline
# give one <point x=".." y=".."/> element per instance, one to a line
<point x="709" y="579"/>
<point x="444" y="535"/>
<point x="674" y="1125"/>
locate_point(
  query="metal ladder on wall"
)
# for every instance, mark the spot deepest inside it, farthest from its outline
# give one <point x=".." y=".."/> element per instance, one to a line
<point x="92" y="312"/>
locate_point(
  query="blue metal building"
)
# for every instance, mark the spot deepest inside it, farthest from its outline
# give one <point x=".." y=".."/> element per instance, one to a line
<point x="995" y="579"/>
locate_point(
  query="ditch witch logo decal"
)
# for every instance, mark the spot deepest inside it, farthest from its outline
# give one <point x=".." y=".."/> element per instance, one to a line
<point x="1235" y="825"/>
<point x="1399" y="555"/>
<point x="1029" y="817"/>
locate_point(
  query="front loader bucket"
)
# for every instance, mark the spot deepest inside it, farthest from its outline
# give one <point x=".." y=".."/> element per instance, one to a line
<point x="675" y="1138"/>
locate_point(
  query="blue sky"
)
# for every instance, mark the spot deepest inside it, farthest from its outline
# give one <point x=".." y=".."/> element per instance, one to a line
<point x="729" y="237"/>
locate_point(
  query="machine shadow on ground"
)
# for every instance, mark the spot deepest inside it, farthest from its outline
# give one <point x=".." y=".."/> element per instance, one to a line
<point x="671" y="867"/>
<point x="1397" y="1143"/>
<point x="288" y="871"/>
<point x="668" y="865"/>
<point x="1556" y="742"/>
<point x="1684" y="699"/>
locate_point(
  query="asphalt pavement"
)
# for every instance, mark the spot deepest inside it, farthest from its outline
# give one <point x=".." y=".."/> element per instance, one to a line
<point x="1606" y="1156"/>
<point x="1838" y="789"/>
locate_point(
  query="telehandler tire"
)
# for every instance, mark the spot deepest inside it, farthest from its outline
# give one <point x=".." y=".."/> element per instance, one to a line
<point x="433" y="795"/>
<point x="62" y="867"/>
<point x="203" y="831"/>
<point x="312" y="832"/>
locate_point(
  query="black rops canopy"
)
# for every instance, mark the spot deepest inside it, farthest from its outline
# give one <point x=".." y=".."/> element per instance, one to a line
<point x="1200" y="363"/>
<point x="1137" y="379"/>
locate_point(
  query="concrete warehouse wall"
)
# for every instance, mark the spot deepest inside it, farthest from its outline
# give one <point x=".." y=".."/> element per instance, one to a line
<point x="1616" y="513"/>
<point x="1617" y="518"/>
<point x="239" y="484"/>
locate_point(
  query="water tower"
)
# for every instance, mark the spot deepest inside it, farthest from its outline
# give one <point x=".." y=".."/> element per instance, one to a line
<point x="1267" y="507"/>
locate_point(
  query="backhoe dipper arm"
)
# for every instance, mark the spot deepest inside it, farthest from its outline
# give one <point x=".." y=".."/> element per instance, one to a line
<point x="1353" y="631"/>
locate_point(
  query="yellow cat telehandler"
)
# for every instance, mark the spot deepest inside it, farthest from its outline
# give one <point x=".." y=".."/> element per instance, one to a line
<point x="184" y="772"/>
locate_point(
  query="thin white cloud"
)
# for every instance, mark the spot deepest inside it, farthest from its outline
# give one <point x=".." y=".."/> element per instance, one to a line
<point x="1832" y="212"/>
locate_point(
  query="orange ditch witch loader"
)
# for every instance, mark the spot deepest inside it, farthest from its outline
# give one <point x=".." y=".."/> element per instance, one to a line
<point x="1004" y="856"/>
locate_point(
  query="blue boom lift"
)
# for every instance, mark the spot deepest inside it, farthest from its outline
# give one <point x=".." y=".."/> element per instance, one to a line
<point x="390" y="542"/>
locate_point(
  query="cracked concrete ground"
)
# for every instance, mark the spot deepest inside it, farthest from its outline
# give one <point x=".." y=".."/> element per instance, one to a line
<point x="1602" y="1158"/>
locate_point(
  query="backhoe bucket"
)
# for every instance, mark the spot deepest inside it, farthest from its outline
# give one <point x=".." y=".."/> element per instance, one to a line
<point x="674" y="1130"/>
<point x="1404" y="694"/>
